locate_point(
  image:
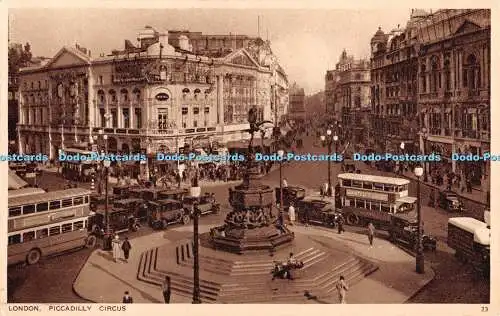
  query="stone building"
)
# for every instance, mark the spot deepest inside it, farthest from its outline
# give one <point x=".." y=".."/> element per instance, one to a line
<point x="347" y="90"/>
<point x="150" y="97"/>
<point x="436" y="70"/>
<point x="297" y="110"/>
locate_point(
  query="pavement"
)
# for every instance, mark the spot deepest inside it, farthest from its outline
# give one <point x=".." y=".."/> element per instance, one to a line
<point x="101" y="280"/>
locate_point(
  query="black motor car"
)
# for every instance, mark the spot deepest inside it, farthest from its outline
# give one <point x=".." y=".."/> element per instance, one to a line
<point x="120" y="220"/>
<point x="206" y="204"/>
<point x="405" y="232"/>
<point x="138" y="207"/>
<point x="317" y="211"/>
<point x="291" y="194"/>
<point x="449" y="201"/>
<point x="166" y="212"/>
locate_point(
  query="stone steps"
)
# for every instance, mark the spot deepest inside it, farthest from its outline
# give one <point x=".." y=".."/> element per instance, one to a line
<point x="179" y="284"/>
<point x="354" y="270"/>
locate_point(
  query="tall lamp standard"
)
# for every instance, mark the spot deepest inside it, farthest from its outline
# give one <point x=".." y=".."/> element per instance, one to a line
<point x="402" y="147"/>
<point x="423" y="133"/>
<point x="281" y="153"/>
<point x="329" y="141"/>
<point x="420" y="251"/>
<point x="195" y="192"/>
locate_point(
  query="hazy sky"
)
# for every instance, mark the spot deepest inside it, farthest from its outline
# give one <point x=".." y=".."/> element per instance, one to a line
<point x="307" y="42"/>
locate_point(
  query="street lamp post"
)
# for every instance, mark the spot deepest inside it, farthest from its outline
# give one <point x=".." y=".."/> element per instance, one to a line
<point x="196" y="263"/>
<point x="424" y="148"/>
<point x="420" y="253"/>
<point x="402" y="147"/>
<point x="329" y="142"/>
<point x="281" y="153"/>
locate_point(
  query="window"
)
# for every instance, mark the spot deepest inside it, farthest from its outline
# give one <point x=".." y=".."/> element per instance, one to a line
<point x="67" y="202"/>
<point x="28" y="236"/>
<point x="375" y="206"/>
<point x="138" y="118"/>
<point x="357" y="184"/>
<point x="126" y="118"/>
<point x="78" y="200"/>
<point x="42" y="233"/>
<point x="359" y="203"/>
<point x="78" y="225"/>
<point x="42" y="207"/>
<point x="367" y="185"/>
<point x="66" y="228"/>
<point x="114" y="117"/>
<point x="385" y="208"/>
<point x="102" y="113"/>
<point x="55" y="205"/>
<point x="162" y="118"/>
<point x="100" y="80"/>
<point x="195" y="123"/>
<point x="86" y="199"/>
<point x="184" y="114"/>
<point x="15" y="239"/>
<point x="29" y="209"/>
<point x="14" y="211"/>
<point x="196" y="111"/>
<point x="389" y="188"/>
<point x="54" y="230"/>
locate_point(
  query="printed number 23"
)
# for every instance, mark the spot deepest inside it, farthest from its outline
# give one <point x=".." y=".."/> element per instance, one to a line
<point x="484" y="308"/>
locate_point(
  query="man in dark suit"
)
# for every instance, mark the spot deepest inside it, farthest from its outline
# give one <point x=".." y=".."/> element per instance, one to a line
<point x="127" y="299"/>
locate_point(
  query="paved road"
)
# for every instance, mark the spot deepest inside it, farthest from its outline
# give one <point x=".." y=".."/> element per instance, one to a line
<point x="454" y="283"/>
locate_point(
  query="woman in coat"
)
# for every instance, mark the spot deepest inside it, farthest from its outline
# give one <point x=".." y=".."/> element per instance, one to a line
<point x="116" y="246"/>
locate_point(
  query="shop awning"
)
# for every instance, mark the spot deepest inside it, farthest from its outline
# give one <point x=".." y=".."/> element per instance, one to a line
<point x="15" y="182"/>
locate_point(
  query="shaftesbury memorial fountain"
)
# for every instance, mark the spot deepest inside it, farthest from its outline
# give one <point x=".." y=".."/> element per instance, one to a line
<point x="250" y="225"/>
<point x="235" y="260"/>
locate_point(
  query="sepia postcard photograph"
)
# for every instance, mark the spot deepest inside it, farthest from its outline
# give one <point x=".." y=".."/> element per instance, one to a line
<point x="247" y="155"/>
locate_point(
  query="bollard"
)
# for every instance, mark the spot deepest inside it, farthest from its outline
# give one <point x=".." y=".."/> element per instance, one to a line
<point x="182" y="252"/>
<point x="177" y="254"/>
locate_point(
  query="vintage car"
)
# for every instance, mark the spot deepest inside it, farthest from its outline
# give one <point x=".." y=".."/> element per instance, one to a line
<point x="173" y="194"/>
<point x="317" y="210"/>
<point x="123" y="190"/>
<point x="120" y="220"/>
<point x="138" y="207"/>
<point x="449" y="201"/>
<point x="290" y="194"/>
<point x="99" y="200"/>
<point x="206" y="204"/>
<point x="166" y="212"/>
<point x="405" y="232"/>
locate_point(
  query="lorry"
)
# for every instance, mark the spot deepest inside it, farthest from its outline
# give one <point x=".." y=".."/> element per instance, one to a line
<point x="470" y="238"/>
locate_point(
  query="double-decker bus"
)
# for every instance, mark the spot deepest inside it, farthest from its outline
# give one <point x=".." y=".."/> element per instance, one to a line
<point x="78" y="170"/>
<point x="48" y="223"/>
<point x="367" y="198"/>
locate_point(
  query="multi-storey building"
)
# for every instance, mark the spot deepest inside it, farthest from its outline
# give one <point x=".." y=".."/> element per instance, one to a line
<point x="154" y="97"/>
<point x="297" y="108"/>
<point x="431" y="87"/>
<point x="394" y="89"/>
<point x="347" y="90"/>
<point x="454" y="87"/>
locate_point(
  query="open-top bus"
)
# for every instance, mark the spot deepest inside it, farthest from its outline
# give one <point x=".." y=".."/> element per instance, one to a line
<point x="367" y="198"/>
<point x="48" y="223"/>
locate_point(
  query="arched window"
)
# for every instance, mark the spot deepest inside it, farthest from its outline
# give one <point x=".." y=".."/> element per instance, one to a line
<point x="471" y="69"/>
<point x="423" y="81"/>
<point x="101" y="97"/>
<point x="137" y="95"/>
<point x="124" y="95"/>
<point x="112" y="96"/>
<point x="447" y="75"/>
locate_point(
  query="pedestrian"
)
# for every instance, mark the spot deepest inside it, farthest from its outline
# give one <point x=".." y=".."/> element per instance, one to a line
<point x="291" y="214"/>
<point x="342" y="290"/>
<point x="285" y="183"/>
<point x="340" y="223"/>
<point x="127" y="299"/>
<point x="115" y="245"/>
<point x="126" y="248"/>
<point x="371" y="233"/>
<point x="166" y="290"/>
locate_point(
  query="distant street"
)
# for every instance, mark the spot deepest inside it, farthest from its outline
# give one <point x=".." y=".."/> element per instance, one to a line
<point x="454" y="282"/>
